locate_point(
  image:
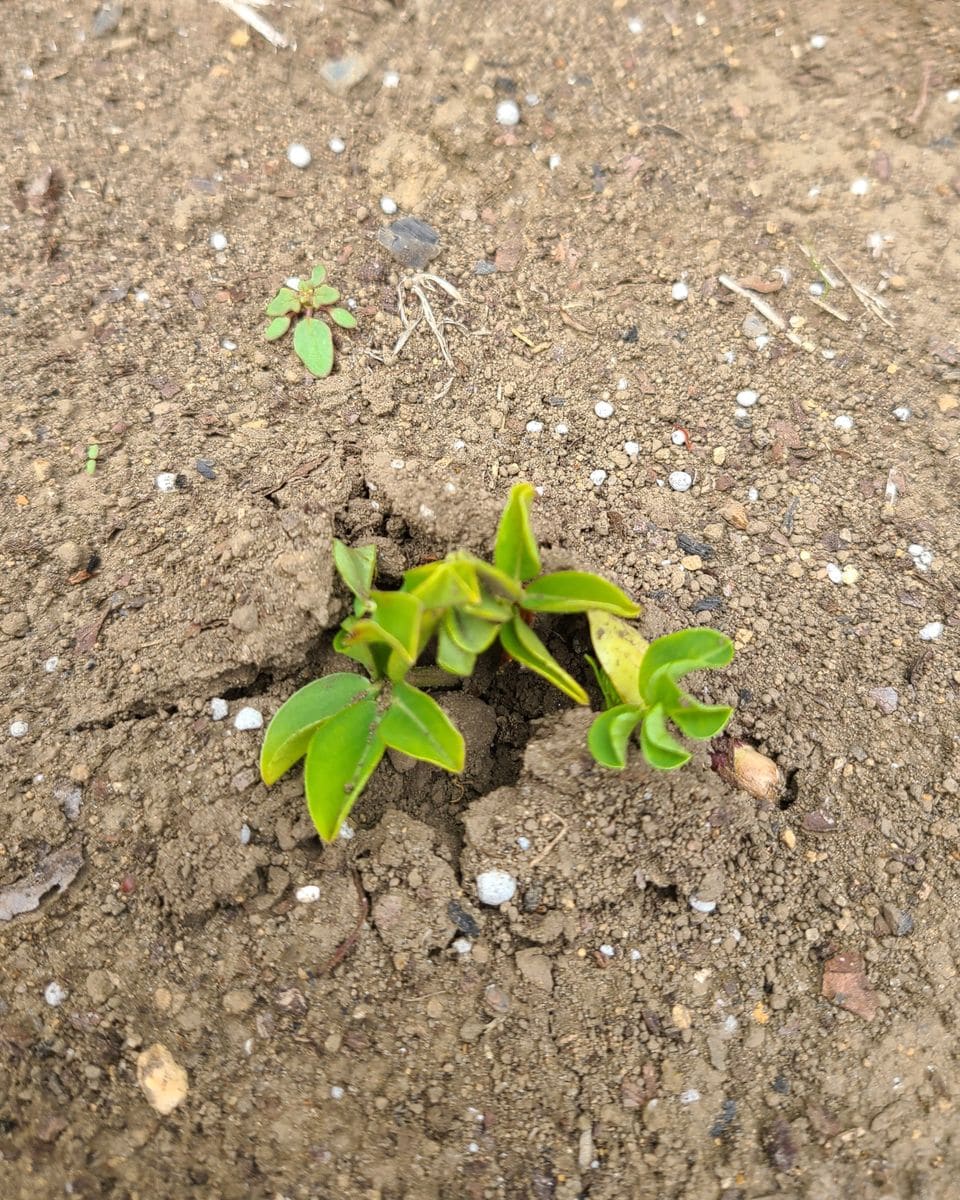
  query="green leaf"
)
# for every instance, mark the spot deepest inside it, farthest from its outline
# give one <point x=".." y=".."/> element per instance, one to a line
<point x="611" y="697"/>
<point x="325" y="295"/>
<point x="442" y="584"/>
<point x="394" y="621"/>
<point x="313" y="343"/>
<point x="620" y="648"/>
<point x="356" y="566"/>
<point x="297" y="719"/>
<point x="340" y="759"/>
<point x="577" y="591"/>
<point x="285" y="301"/>
<point x="610" y="733"/>
<point x="660" y="747"/>
<point x="522" y="644"/>
<point x="317" y="275"/>
<point x="277" y="328"/>
<point x="494" y="582"/>
<point x="700" y="721"/>
<point x="416" y="725"/>
<point x="515" y="549"/>
<point x="359" y="651"/>
<point x="343" y="318"/>
<point x="452" y="657"/>
<point x="473" y="634"/>
<point x="683" y="651"/>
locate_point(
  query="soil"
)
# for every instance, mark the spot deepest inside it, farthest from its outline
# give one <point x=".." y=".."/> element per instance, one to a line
<point x="598" y="1035"/>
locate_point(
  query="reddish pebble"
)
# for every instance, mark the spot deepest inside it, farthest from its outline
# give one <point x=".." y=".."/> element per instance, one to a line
<point x="128" y="885"/>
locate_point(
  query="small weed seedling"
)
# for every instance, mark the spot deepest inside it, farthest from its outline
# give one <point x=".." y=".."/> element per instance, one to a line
<point x="461" y="605"/>
<point x="306" y="309"/>
<point x="93" y="453"/>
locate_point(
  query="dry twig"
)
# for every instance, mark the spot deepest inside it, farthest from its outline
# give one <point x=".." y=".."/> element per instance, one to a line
<point x="249" y="15"/>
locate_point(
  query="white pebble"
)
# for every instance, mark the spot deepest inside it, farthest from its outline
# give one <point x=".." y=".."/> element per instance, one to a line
<point x="747" y="398"/>
<point x="228" y="344"/>
<point x="347" y="831"/>
<point x="141" y="296"/>
<point x="690" y="1096"/>
<point x="54" y="994"/>
<point x="391" y="79"/>
<point x="702" y="906"/>
<point x="680" y="481"/>
<point x="337" y="145"/>
<point x="523" y="843"/>
<point x="508" y="113"/>
<point x="308" y="894"/>
<point x="219" y="241"/>
<point x="534" y="427"/>
<point x="19" y="729"/>
<point x="531" y="99"/>
<point x="247" y="719"/>
<point x="834" y="573"/>
<point x="553" y="161"/>
<point x="388" y="205"/>
<point x="902" y="413"/>
<point x="930" y="632"/>
<point x="631" y="448"/>
<point x="459" y="444"/>
<point x="678" y="437"/>
<point x="293" y="282"/>
<point x="219" y="708"/>
<point x="635" y="955"/>
<point x="603" y="409"/>
<point x="860" y="187"/>
<point x="473" y="1147"/>
<point x="245" y="834"/>
<point x="166" y="481"/>
<point x="635" y="25"/>
<point x="461" y="945"/>
<point x="817" y="289"/>
<point x="495" y="887"/>
<point x="817" y="41"/>
<point x="337" y="1093"/>
<point x="561" y="430"/>
<point x="953" y="95"/>
<point x="599" y="477"/>
<point x="753" y="495"/>
<point x="299" y="155"/>
<point x="762" y="341"/>
<point x="679" y="291"/>
<point x="51" y="664"/>
<point x="843" y="422"/>
<point x="622" y="385"/>
<point x="397" y="463"/>
<point x="607" y="951"/>
<point x="729" y="357"/>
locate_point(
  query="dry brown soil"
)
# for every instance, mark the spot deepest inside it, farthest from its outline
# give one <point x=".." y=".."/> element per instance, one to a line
<point x="703" y="1057"/>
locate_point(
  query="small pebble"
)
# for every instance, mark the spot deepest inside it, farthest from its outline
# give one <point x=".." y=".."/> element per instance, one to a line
<point x="931" y="631"/>
<point x="631" y="448"/>
<point x="817" y="41"/>
<point x="753" y="495"/>
<point x="495" y="887"/>
<point x="680" y="481"/>
<point x="887" y="699"/>
<point x="228" y="344"/>
<point x="860" y="187"/>
<point x="678" y="437"/>
<point x="388" y="205"/>
<point x="902" y="413"/>
<point x="54" y="994"/>
<point x="843" y="422"/>
<point x="607" y="951"/>
<point x="635" y="25"/>
<point x="51" y="664"/>
<point x="561" y="430"/>
<point x="603" y="409"/>
<point x="166" y="481"/>
<point x="346" y="831"/>
<point x="849" y="575"/>
<point x="391" y="79"/>
<point x="953" y="95"/>
<point x="523" y="843"/>
<point x="461" y="945"/>
<point x="308" y="894"/>
<point x="337" y="145"/>
<point x="635" y="956"/>
<point x="299" y="155"/>
<point x="508" y="113"/>
<point x="553" y="161"/>
<point x="598" y="478"/>
<point x="219" y="708"/>
<point x="337" y="1093"/>
<point x="219" y="241"/>
<point x="834" y="573"/>
<point x="247" y="719"/>
<point x="702" y="906"/>
<point x="19" y="729"/>
<point x="817" y="289"/>
<point x="747" y="398"/>
<point x="245" y="834"/>
<point x="679" y="291"/>
<point x="534" y="427"/>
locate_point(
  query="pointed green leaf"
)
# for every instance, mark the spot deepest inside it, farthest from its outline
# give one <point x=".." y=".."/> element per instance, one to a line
<point x="340" y="759"/>
<point x="442" y="584"/>
<point x="473" y="634"/>
<point x="356" y="566"/>
<point x="317" y="275"/>
<point x="277" y="328"/>
<point x="577" y="591"/>
<point x="660" y="747"/>
<point x="297" y="719"/>
<point x="620" y="648"/>
<point x="611" y="697"/>
<point x="416" y="725"/>
<point x="325" y="295"/>
<point x="343" y="318"/>
<point x="313" y="343"/>
<point x="358" y="651"/>
<point x="494" y="582"/>
<point x="700" y="721"/>
<point x="683" y="651"/>
<point x="284" y="302"/>
<point x="610" y="733"/>
<point x="451" y="657"/>
<point x="522" y="644"/>
<point x="515" y="549"/>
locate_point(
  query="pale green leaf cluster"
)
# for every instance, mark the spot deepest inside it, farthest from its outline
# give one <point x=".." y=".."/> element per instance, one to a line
<point x="306" y="309"/>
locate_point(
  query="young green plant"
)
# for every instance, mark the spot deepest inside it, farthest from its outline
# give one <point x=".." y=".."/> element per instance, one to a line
<point x="308" y="309"/>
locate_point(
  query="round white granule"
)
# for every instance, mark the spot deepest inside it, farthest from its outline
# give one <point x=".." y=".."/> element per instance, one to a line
<point x="299" y="155"/>
<point x="679" y="291"/>
<point x="219" y="241"/>
<point x="308" y="894"/>
<point x="631" y="448"/>
<point x="388" y="205"/>
<point x="680" y="481"/>
<point x="534" y="427"/>
<point x="19" y="729"/>
<point x="508" y="113"/>
<point x="603" y="409"/>
<point x="495" y="887"/>
<point x="599" y="477"/>
<point x="337" y="145"/>
<point x="747" y="398"/>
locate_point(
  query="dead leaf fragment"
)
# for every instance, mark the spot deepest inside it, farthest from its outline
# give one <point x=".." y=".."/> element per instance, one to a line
<point x="845" y="983"/>
<point x="57" y="870"/>
<point x="764" y="286"/>
<point x="161" y="1078"/>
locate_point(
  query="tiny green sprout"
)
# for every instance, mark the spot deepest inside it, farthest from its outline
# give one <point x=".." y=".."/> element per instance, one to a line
<point x="457" y="608"/>
<point x="308" y="308"/>
<point x="93" y="453"/>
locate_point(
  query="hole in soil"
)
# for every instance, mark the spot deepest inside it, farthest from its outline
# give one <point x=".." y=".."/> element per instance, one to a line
<point x="791" y="789"/>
